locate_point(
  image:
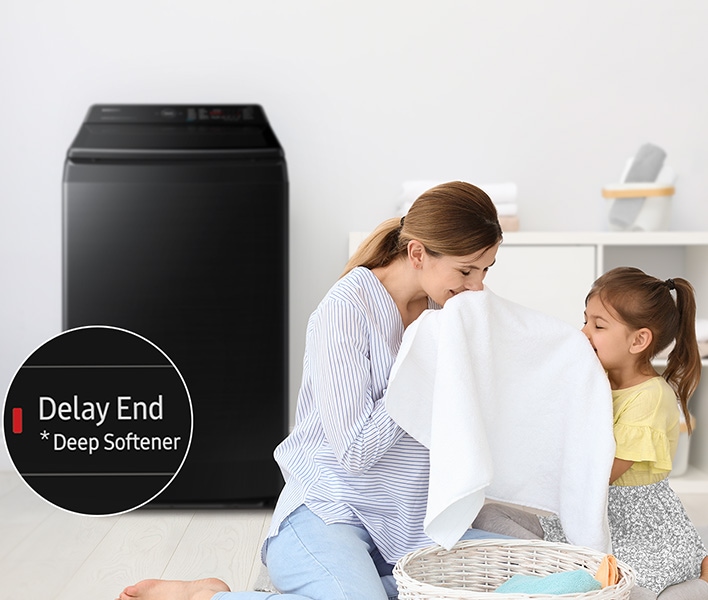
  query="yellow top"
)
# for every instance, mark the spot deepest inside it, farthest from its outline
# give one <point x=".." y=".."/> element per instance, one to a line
<point x="646" y="429"/>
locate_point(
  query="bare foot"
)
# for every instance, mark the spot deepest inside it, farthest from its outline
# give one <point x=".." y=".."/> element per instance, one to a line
<point x="161" y="589"/>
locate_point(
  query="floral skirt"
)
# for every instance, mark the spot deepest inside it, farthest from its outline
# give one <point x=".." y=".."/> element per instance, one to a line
<point x="650" y="531"/>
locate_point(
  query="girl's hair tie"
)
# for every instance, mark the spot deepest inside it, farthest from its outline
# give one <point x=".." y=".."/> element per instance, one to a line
<point x="670" y="283"/>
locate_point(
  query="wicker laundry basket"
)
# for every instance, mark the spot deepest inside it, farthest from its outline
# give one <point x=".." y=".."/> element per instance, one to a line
<point x="472" y="569"/>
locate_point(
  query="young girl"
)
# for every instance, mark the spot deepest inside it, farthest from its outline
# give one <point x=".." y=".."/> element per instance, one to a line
<point x="629" y="318"/>
<point x="355" y="483"/>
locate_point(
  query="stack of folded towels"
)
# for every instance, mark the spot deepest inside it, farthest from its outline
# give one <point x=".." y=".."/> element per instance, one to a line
<point x="503" y="195"/>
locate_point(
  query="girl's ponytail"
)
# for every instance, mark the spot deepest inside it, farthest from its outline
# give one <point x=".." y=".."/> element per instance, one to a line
<point x="683" y="369"/>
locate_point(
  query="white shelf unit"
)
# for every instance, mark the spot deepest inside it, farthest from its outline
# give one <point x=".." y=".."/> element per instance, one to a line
<point x="553" y="271"/>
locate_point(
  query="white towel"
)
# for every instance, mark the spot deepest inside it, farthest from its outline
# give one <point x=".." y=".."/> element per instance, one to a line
<point x="508" y="209"/>
<point x="513" y="405"/>
<point x="501" y="194"/>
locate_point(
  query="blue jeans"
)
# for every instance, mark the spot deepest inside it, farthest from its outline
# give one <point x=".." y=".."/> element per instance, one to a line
<point x="309" y="560"/>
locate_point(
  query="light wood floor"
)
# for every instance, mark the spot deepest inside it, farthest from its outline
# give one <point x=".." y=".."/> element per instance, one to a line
<point x="47" y="553"/>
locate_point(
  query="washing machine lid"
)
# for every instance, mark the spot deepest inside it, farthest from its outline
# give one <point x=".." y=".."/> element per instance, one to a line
<point x="175" y="131"/>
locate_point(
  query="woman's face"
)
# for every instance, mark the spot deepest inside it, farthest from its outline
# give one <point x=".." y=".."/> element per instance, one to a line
<point x="445" y="276"/>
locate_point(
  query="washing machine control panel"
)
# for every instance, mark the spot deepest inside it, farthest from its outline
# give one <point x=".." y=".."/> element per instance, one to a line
<point x="222" y="114"/>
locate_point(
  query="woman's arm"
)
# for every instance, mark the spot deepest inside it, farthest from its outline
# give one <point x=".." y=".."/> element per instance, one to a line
<point x="353" y="415"/>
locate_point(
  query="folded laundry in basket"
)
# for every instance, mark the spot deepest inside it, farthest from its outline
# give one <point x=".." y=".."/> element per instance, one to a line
<point x="565" y="582"/>
<point x="607" y="573"/>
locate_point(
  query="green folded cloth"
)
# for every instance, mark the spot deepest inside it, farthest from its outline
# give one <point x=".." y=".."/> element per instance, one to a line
<point x="565" y="582"/>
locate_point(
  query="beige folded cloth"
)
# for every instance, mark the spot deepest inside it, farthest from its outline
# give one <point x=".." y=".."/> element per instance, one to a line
<point x="607" y="573"/>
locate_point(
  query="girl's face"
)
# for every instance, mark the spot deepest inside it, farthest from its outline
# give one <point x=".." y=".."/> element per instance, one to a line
<point x="610" y="338"/>
<point x="445" y="276"/>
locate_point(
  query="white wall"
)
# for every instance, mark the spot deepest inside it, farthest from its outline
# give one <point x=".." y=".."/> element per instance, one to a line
<point x="363" y="95"/>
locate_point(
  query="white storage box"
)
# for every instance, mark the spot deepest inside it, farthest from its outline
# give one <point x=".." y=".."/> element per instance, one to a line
<point x="644" y="206"/>
<point x="655" y="208"/>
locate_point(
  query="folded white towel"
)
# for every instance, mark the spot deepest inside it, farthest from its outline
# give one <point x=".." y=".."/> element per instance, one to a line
<point x="513" y="405"/>
<point x="507" y="210"/>
<point x="499" y="193"/>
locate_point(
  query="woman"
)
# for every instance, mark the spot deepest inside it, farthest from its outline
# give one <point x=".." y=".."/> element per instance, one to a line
<point x="356" y="484"/>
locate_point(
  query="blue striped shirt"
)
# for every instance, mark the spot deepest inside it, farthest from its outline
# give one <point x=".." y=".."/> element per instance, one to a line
<point x="346" y="459"/>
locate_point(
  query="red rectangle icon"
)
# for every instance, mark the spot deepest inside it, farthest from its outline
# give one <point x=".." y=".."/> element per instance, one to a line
<point x="16" y="420"/>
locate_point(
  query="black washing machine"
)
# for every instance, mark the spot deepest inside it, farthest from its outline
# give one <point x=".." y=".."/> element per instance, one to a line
<point x="175" y="227"/>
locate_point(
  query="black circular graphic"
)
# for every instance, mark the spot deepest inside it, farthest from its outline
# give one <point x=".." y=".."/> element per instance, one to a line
<point x="98" y="420"/>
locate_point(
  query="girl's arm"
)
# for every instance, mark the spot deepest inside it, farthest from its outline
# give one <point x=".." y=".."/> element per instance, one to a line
<point x="619" y="468"/>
